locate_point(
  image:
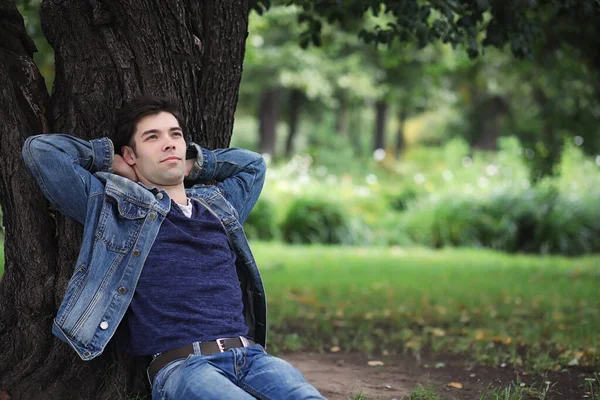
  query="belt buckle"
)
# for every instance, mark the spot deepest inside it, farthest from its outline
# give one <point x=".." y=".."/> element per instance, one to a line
<point x="221" y="344"/>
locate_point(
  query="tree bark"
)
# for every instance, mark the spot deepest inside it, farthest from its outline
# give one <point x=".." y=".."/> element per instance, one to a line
<point x="268" y="115"/>
<point x="381" y="108"/>
<point x="355" y="129"/>
<point x="295" y="104"/>
<point x="544" y="162"/>
<point x="341" y="115"/>
<point x="400" y="141"/>
<point x="490" y="113"/>
<point x="106" y="53"/>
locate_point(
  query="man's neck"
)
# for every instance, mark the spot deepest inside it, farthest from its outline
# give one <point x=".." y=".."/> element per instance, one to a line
<point x="176" y="193"/>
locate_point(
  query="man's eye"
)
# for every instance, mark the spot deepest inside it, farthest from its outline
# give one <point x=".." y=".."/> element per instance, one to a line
<point x="177" y="134"/>
<point x="151" y="137"/>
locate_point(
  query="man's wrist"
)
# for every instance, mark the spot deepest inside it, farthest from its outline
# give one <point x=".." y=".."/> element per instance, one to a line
<point x="195" y="152"/>
<point x="103" y="154"/>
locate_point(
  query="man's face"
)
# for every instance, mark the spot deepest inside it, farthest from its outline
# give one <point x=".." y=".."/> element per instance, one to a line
<point x="159" y="159"/>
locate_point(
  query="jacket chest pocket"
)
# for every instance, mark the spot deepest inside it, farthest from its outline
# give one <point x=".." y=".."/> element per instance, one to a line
<point x="120" y="223"/>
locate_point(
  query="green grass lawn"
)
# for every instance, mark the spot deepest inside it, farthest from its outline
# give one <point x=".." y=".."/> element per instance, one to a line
<point x="538" y="312"/>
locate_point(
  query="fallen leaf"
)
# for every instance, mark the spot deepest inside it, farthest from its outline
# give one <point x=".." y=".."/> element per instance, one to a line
<point x="375" y="363"/>
<point x="456" y="385"/>
<point x="437" y="332"/>
<point x="464" y="317"/>
<point x="573" y="362"/>
<point x="413" y="343"/>
<point x="479" y="334"/>
<point x="441" y="310"/>
<point x="335" y="349"/>
<point x="557" y="316"/>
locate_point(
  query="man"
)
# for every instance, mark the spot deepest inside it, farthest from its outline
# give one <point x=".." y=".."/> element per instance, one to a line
<point x="167" y="271"/>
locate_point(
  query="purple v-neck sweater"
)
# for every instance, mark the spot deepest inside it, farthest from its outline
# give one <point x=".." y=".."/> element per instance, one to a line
<point x="189" y="289"/>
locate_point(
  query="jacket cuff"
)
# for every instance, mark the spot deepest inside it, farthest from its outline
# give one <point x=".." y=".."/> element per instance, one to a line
<point x="204" y="166"/>
<point x="103" y="153"/>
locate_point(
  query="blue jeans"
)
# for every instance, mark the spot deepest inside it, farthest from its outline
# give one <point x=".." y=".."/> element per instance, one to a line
<point x="239" y="373"/>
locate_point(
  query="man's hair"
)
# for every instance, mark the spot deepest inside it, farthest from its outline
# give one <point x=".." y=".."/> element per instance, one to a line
<point x="132" y="112"/>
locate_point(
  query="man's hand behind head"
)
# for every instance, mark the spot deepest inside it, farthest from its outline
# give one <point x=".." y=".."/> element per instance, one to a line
<point x="120" y="167"/>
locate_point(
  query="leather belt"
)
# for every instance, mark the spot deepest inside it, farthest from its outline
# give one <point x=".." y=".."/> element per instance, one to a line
<point x="206" y="348"/>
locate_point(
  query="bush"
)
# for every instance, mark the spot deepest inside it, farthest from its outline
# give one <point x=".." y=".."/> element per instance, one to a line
<point x="400" y="200"/>
<point x="316" y="221"/>
<point x="536" y="220"/>
<point x="261" y="224"/>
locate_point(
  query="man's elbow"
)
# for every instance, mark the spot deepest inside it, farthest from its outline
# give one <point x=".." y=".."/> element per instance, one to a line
<point x="31" y="148"/>
<point x="261" y="167"/>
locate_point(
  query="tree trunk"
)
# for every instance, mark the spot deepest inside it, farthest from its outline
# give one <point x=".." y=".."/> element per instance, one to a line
<point x="106" y="53"/>
<point x="544" y="162"/>
<point x="341" y="116"/>
<point x="268" y="115"/>
<point x="355" y="129"/>
<point x="381" y="108"/>
<point x="400" y="142"/>
<point x="491" y="112"/>
<point x="295" y="105"/>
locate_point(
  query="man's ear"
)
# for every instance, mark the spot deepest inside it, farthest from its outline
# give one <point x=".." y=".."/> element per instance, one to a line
<point x="128" y="155"/>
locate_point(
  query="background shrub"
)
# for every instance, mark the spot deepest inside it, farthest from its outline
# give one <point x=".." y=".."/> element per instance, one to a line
<point x="314" y="220"/>
<point x="539" y="220"/>
<point x="402" y="198"/>
<point x="261" y="224"/>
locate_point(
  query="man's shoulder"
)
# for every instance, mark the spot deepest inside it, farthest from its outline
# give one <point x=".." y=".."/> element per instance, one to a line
<point x="122" y="188"/>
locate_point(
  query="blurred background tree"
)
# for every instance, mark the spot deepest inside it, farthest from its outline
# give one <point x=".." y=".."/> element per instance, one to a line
<point x="397" y="67"/>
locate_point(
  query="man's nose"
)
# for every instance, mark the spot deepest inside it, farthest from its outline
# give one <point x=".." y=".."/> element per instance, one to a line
<point x="169" y="145"/>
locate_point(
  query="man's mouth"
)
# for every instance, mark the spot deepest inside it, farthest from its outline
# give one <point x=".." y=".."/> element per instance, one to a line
<point x="171" y="158"/>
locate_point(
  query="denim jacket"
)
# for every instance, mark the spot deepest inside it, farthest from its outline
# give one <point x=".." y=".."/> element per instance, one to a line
<point x="121" y="219"/>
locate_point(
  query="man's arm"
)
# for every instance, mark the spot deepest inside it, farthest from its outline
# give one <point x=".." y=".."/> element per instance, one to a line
<point x="240" y="173"/>
<point x="63" y="166"/>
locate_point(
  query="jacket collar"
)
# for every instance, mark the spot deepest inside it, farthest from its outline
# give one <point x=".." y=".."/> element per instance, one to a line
<point x="135" y="192"/>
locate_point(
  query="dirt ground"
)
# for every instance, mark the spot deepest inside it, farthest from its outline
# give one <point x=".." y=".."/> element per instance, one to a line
<point x="340" y="376"/>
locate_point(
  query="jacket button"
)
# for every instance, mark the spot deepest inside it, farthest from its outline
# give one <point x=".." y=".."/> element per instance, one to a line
<point x="136" y="252"/>
<point x="104" y="325"/>
<point x="122" y="290"/>
<point x="159" y="196"/>
<point x="152" y="216"/>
